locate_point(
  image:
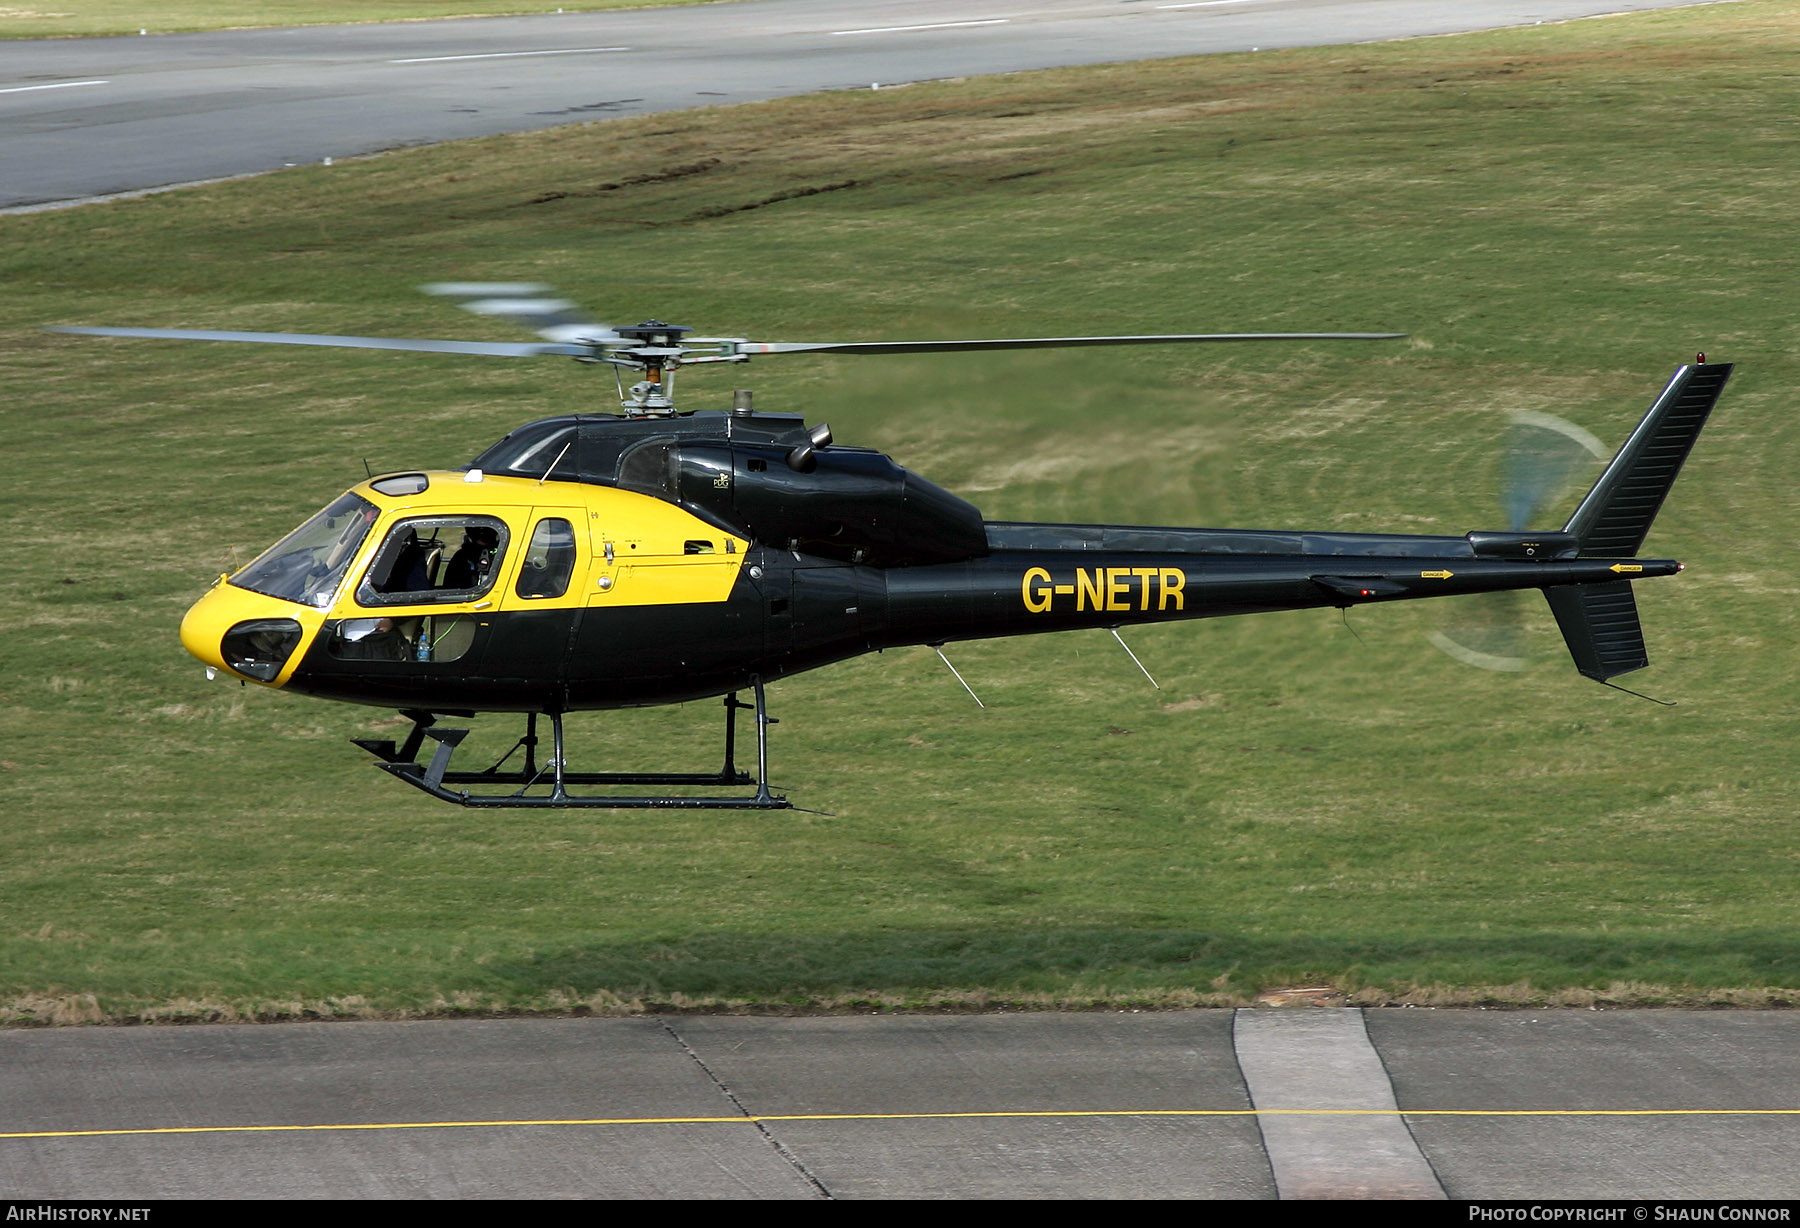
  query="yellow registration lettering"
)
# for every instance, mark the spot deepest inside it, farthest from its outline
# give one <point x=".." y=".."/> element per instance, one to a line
<point x="1117" y="588"/>
<point x="1171" y="581"/>
<point x="1144" y="575"/>
<point x="1087" y="588"/>
<point x="1035" y="590"/>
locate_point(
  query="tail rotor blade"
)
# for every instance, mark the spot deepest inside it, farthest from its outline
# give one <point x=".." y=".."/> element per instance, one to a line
<point x="1545" y="457"/>
<point x="1488" y="633"/>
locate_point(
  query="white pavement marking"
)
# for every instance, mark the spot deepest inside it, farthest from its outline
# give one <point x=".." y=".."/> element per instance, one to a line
<point x="60" y="85"/>
<point x="1321" y="1058"/>
<point x="939" y="25"/>
<point x="506" y="55"/>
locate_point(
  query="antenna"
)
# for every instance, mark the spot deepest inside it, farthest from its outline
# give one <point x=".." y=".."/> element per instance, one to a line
<point x="1666" y="703"/>
<point x="1133" y="656"/>
<point x="555" y="463"/>
<point x="939" y="649"/>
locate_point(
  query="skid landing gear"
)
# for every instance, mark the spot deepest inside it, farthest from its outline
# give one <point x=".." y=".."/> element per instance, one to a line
<point x="435" y="777"/>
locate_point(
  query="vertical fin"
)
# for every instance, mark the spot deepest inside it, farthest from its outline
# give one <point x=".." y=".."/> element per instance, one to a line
<point x="1599" y="622"/>
<point x="1614" y="518"/>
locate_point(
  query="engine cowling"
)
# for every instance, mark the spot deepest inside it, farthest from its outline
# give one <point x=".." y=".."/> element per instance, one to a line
<point x="851" y="503"/>
<point x="765" y="476"/>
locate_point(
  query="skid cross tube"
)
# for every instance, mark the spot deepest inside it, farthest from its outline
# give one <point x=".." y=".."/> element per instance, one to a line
<point x="435" y="778"/>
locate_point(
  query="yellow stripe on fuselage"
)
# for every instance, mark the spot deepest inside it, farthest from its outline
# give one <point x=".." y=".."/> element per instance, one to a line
<point x="650" y="541"/>
<point x="650" y="564"/>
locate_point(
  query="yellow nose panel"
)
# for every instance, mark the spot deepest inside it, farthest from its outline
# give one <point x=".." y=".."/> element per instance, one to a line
<point x="224" y="607"/>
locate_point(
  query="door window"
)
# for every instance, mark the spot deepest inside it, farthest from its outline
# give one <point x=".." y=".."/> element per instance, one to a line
<point x="549" y="560"/>
<point x="421" y="637"/>
<point x="432" y="559"/>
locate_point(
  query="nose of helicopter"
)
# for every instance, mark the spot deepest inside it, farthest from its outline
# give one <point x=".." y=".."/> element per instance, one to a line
<point x="242" y="632"/>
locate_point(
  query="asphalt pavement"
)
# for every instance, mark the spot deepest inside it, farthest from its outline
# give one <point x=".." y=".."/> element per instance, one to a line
<point x="1290" y="1103"/>
<point x="88" y="117"/>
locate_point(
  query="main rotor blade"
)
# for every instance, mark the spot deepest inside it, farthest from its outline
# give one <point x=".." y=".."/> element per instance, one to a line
<point x="1033" y="343"/>
<point x="497" y="349"/>
<point x="527" y="304"/>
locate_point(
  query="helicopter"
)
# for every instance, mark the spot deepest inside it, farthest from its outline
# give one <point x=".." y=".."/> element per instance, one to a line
<point x="595" y="561"/>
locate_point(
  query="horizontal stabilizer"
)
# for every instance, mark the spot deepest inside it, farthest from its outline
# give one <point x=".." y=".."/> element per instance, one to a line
<point x="1614" y="518"/>
<point x="1600" y="623"/>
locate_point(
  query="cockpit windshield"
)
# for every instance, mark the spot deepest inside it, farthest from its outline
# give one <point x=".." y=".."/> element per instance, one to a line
<point x="307" y="565"/>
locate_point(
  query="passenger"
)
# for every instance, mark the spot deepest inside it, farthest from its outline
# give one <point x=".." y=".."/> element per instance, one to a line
<point x="469" y="565"/>
<point x="371" y="639"/>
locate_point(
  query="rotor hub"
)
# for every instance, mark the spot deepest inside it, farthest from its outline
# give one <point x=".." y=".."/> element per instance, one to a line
<point x="654" y="332"/>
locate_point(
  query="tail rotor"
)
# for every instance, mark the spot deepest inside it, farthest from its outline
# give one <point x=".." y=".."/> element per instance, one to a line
<point x="1545" y="460"/>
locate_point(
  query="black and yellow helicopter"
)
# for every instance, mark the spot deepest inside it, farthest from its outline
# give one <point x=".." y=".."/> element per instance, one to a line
<point x="599" y="561"/>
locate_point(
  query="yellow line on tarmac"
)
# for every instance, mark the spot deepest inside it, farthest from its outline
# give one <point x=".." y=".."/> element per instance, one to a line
<point x="995" y="1114"/>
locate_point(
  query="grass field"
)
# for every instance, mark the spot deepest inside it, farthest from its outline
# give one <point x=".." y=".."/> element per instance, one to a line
<point x="88" y="18"/>
<point x="1559" y="215"/>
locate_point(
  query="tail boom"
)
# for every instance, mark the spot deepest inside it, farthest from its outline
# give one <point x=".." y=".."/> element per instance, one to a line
<point x="1021" y="592"/>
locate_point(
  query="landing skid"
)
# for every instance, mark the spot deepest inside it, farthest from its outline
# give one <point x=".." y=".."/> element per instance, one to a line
<point x="435" y="777"/>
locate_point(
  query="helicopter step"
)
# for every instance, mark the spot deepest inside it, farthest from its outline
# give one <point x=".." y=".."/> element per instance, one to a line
<point x="434" y="777"/>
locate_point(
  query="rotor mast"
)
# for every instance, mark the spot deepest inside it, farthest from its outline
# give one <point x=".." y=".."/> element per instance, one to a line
<point x="657" y="353"/>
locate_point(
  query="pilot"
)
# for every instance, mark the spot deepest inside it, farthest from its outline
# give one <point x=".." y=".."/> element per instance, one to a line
<point x="468" y="567"/>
